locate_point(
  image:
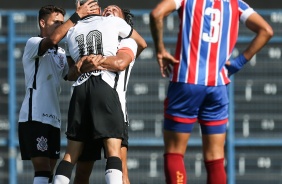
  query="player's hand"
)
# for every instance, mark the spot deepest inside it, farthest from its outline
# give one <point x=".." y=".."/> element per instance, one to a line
<point x="92" y="62"/>
<point x="88" y="8"/>
<point x="166" y="62"/>
<point x="236" y="64"/>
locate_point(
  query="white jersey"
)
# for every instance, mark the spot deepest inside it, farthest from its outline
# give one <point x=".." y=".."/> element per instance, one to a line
<point x="42" y="80"/>
<point x="96" y="35"/>
<point x="124" y="75"/>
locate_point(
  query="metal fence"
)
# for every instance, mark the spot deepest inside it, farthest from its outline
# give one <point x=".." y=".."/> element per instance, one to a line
<point x="253" y="145"/>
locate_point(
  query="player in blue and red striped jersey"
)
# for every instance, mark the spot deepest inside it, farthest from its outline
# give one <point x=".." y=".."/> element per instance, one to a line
<point x="197" y="91"/>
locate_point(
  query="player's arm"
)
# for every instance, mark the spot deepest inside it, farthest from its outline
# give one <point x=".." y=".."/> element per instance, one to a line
<point x="164" y="58"/>
<point x="59" y="33"/>
<point x="163" y="9"/>
<point x="97" y="62"/>
<point x="119" y="62"/>
<point x="112" y="63"/>
<point x="74" y="69"/>
<point x="125" y="55"/>
<point x="126" y="31"/>
<point x="85" y="64"/>
<point x="263" y="32"/>
<point x="141" y="43"/>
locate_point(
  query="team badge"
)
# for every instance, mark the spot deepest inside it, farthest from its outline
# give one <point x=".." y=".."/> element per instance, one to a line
<point x="61" y="60"/>
<point x="42" y="144"/>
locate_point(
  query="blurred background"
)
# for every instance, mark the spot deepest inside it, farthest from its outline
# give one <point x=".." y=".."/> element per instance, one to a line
<point x="254" y="142"/>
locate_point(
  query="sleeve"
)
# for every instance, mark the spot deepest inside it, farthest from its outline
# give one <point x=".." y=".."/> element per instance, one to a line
<point x="125" y="30"/>
<point x="66" y="68"/>
<point x="65" y="71"/>
<point x="32" y="47"/>
<point x="67" y="50"/>
<point x="178" y="4"/>
<point x="245" y="11"/>
<point x="129" y="46"/>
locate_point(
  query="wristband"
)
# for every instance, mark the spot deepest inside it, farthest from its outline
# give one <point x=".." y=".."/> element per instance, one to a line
<point x="75" y="18"/>
<point x="236" y="64"/>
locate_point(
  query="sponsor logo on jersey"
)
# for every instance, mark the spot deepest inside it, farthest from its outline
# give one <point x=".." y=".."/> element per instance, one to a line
<point x="42" y="144"/>
<point x="83" y="77"/>
<point x="51" y="116"/>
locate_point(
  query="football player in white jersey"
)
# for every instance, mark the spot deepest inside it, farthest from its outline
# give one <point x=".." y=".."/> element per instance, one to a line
<point x="44" y="65"/>
<point x="123" y="65"/>
<point x="95" y="111"/>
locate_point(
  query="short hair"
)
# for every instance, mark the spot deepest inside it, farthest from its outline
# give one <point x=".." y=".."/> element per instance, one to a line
<point x="48" y="9"/>
<point x="128" y="16"/>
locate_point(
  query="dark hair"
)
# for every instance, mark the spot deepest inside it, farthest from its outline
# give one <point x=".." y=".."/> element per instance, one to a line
<point x="48" y="9"/>
<point x="128" y="17"/>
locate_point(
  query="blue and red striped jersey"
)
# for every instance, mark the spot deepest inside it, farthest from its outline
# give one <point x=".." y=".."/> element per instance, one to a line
<point x="207" y="35"/>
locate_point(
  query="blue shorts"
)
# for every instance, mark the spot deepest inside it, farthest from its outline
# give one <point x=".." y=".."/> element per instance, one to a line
<point x="188" y="103"/>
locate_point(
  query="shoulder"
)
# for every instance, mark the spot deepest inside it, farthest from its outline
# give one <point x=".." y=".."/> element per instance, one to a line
<point x="34" y="40"/>
<point x="127" y="42"/>
<point x="115" y="19"/>
<point x="245" y="11"/>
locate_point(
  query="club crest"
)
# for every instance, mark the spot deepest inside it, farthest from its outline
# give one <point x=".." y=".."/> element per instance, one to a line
<point x="42" y="144"/>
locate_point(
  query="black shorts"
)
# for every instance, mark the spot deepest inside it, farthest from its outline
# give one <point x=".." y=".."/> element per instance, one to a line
<point x="94" y="112"/>
<point x="92" y="149"/>
<point x="37" y="139"/>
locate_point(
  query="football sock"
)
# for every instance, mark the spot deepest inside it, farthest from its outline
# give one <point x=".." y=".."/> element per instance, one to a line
<point x="174" y="168"/>
<point x="51" y="179"/>
<point x="41" y="177"/>
<point x="215" y="171"/>
<point x="113" y="171"/>
<point x="40" y="180"/>
<point x="63" y="172"/>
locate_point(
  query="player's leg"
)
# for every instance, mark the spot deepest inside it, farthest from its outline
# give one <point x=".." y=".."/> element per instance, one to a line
<point x="35" y="145"/>
<point x="175" y="147"/>
<point x="55" y="148"/>
<point x="90" y="153"/>
<point x="65" y="167"/>
<point x="42" y="170"/>
<point x="76" y="133"/>
<point x="213" y="118"/>
<point x="109" y="125"/>
<point x="113" y="171"/>
<point x="125" y="177"/>
<point x="53" y="163"/>
<point x="83" y="172"/>
<point x="213" y="151"/>
<point x="181" y="110"/>
<point x="124" y="150"/>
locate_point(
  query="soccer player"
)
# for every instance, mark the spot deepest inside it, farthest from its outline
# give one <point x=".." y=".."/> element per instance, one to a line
<point x="44" y="64"/>
<point x="95" y="112"/>
<point x="92" y="153"/>
<point x="202" y="65"/>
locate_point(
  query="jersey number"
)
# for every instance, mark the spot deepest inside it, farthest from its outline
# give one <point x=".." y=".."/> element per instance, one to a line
<point x="214" y="35"/>
<point x="93" y="43"/>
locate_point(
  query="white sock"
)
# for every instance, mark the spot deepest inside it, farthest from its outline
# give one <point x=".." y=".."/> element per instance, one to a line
<point x="60" y="179"/>
<point x="40" y="180"/>
<point x="113" y="176"/>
